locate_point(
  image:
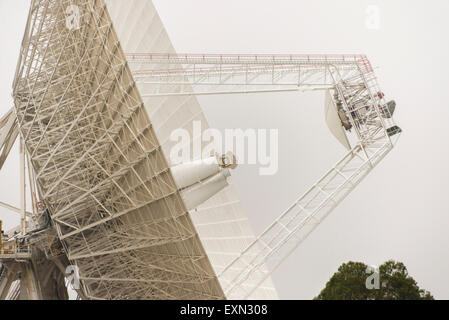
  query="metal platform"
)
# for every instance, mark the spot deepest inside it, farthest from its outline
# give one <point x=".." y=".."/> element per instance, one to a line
<point x="15" y="252"/>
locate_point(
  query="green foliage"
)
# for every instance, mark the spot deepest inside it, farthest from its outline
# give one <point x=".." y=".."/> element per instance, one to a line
<point x="349" y="283"/>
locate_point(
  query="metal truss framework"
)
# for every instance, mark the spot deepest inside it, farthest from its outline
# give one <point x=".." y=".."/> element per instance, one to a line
<point x="352" y="80"/>
<point x="98" y="165"/>
<point x="99" y="169"/>
<point x="238" y="73"/>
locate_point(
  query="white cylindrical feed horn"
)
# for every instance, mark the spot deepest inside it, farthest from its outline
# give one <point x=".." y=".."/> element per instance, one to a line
<point x="200" y="192"/>
<point x="186" y="174"/>
<point x="189" y="173"/>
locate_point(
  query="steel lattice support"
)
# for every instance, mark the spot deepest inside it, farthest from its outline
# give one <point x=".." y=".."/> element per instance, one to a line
<point x="349" y="77"/>
<point x="98" y="165"/>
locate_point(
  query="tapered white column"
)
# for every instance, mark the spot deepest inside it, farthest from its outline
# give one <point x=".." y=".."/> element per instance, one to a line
<point x="22" y="188"/>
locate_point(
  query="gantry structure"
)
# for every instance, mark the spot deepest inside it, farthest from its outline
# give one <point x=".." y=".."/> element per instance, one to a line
<point x="94" y="106"/>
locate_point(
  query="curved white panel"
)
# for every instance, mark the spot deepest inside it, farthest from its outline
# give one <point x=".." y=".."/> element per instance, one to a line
<point x="220" y="221"/>
<point x="333" y="121"/>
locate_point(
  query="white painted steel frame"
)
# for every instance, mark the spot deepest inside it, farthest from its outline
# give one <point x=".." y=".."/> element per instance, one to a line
<point x="100" y="170"/>
<point x="98" y="165"/>
<point x="350" y="77"/>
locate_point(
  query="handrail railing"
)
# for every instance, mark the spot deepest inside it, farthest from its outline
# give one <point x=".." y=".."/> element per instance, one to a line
<point x="14" y="249"/>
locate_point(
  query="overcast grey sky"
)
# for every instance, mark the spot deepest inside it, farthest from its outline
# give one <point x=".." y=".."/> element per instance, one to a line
<point x="399" y="211"/>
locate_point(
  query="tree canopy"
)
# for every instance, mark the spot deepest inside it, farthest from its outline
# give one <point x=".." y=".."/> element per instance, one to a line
<point x="355" y="281"/>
